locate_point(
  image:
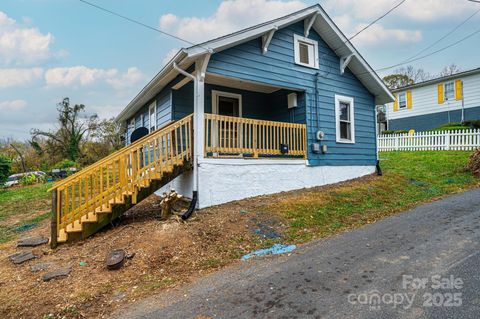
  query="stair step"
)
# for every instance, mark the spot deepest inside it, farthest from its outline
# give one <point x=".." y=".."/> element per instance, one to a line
<point x="76" y="227"/>
<point x="118" y="200"/>
<point x="89" y="218"/>
<point x="103" y="210"/>
<point x="62" y="236"/>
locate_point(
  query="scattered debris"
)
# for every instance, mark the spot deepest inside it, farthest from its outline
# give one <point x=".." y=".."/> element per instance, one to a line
<point x="474" y="163"/>
<point x="22" y="257"/>
<point x="274" y="250"/>
<point x="115" y="259"/>
<point x="40" y="267"/>
<point x="130" y="255"/>
<point x="83" y="264"/>
<point x="32" y="241"/>
<point x="61" y="272"/>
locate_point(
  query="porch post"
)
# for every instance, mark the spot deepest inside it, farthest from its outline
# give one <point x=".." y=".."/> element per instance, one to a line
<point x="199" y="110"/>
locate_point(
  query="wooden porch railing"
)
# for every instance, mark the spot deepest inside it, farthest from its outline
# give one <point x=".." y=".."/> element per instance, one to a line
<point x="77" y="198"/>
<point x="234" y="135"/>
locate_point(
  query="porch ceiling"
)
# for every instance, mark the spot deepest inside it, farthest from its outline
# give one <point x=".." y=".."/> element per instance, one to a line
<point x="242" y="84"/>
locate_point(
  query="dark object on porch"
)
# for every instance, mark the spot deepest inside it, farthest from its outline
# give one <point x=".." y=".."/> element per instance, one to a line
<point x="193" y="204"/>
<point x="115" y="259"/>
<point x="138" y="134"/>
<point x="379" y="169"/>
<point x="284" y="148"/>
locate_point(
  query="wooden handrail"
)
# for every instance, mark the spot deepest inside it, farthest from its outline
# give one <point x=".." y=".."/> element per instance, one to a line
<point x="122" y="173"/>
<point x="229" y="135"/>
<point x="113" y="155"/>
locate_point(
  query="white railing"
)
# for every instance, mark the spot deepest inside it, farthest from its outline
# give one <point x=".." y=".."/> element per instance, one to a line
<point x="430" y="141"/>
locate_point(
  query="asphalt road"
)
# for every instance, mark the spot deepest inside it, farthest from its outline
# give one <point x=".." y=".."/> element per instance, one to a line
<point x="423" y="263"/>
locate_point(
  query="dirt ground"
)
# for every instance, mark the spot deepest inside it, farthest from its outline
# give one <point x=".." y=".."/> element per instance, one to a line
<point x="167" y="254"/>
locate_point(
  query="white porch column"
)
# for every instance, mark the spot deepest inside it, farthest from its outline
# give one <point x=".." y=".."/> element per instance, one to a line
<point x="199" y="110"/>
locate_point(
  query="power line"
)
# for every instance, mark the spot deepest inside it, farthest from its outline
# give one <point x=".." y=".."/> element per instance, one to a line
<point x="370" y="24"/>
<point x="445" y="36"/>
<point x="426" y="55"/>
<point x="137" y="22"/>
<point x="376" y="20"/>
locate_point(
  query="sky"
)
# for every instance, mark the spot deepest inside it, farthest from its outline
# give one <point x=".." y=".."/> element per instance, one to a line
<point x="50" y="49"/>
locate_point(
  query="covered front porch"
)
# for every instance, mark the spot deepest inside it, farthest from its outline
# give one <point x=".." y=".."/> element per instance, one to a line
<point x="240" y="119"/>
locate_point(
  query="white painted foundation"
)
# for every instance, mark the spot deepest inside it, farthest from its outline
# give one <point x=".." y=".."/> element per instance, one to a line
<point x="226" y="180"/>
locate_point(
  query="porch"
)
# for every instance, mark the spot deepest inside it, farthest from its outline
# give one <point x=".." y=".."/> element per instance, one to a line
<point x="244" y="119"/>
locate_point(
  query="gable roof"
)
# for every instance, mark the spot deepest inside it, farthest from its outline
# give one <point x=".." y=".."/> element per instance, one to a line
<point x="323" y="25"/>
<point x="438" y="80"/>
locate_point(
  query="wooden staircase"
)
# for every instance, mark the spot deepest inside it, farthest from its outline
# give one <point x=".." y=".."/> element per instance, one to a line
<point x="90" y="199"/>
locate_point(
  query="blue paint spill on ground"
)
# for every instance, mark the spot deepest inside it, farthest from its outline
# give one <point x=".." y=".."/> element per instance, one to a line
<point x="274" y="250"/>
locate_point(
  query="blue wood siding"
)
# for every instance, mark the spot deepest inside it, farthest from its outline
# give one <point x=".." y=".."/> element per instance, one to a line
<point x="277" y="67"/>
<point x="164" y="113"/>
<point x="430" y="121"/>
<point x="255" y="105"/>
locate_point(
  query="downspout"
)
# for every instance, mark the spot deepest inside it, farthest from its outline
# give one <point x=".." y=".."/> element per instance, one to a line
<point x="193" y="204"/>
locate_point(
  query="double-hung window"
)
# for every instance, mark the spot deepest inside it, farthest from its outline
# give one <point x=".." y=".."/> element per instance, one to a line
<point x="152" y="117"/>
<point x="449" y="91"/>
<point x="402" y="100"/>
<point x="345" y="122"/>
<point x="306" y="51"/>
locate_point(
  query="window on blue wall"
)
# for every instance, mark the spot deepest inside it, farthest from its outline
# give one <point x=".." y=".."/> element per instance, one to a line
<point x="306" y="51"/>
<point x="402" y="100"/>
<point x="345" y="123"/>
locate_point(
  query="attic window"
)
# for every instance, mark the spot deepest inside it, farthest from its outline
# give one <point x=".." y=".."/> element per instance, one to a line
<point x="306" y="51"/>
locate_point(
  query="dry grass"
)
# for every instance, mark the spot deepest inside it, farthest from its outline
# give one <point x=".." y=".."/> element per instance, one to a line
<point x="170" y="253"/>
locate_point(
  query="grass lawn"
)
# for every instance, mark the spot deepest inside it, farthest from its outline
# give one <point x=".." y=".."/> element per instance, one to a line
<point x="409" y="178"/>
<point x="171" y="253"/>
<point x="21" y="208"/>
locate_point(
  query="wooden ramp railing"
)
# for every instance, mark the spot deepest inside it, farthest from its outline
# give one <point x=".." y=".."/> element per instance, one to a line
<point x="234" y="135"/>
<point x="81" y="197"/>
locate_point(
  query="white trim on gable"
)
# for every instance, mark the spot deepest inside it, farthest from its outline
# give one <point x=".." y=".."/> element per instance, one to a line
<point x="351" y="118"/>
<point x="312" y="51"/>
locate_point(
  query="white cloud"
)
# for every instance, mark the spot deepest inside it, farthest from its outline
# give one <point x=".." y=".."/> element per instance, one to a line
<point x="377" y="34"/>
<point x="105" y="111"/>
<point x="424" y="10"/>
<point x="77" y="75"/>
<point x="127" y="80"/>
<point x="14" y="105"/>
<point x="21" y="45"/>
<point x="169" y="56"/>
<point x="230" y="16"/>
<point x="19" y="77"/>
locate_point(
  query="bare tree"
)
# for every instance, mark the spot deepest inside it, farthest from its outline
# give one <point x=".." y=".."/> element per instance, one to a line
<point x="406" y="76"/>
<point x="450" y="70"/>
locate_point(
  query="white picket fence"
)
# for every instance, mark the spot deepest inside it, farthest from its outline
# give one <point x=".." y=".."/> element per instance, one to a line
<point x="430" y="141"/>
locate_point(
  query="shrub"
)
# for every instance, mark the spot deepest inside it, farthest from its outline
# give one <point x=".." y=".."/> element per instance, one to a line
<point x="64" y="164"/>
<point x="473" y="124"/>
<point x="474" y="163"/>
<point x="28" y="179"/>
<point x="401" y="132"/>
<point x="5" y="168"/>
<point x="388" y="132"/>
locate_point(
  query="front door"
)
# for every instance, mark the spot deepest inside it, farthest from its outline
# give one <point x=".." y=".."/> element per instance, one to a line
<point x="227" y="135"/>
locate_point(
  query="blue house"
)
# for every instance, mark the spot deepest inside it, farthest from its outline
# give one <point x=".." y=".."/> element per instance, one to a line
<point x="282" y="105"/>
<point x="299" y="69"/>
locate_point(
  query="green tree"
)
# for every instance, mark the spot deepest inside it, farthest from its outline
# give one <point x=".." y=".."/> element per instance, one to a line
<point x="5" y="167"/>
<point x="73" y="131"/>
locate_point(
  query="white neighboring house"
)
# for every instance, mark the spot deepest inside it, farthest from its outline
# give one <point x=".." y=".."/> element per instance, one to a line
<point x="430" y="104"/>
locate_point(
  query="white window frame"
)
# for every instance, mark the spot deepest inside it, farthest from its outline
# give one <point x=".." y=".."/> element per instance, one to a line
<point x="216" y="94"/>
<point x="153" y="106"/>
<point x="400" y="107"/>
<point x="314" y="60"/>
<point x="446" y="98"/>
<point x="350" y="101"/>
